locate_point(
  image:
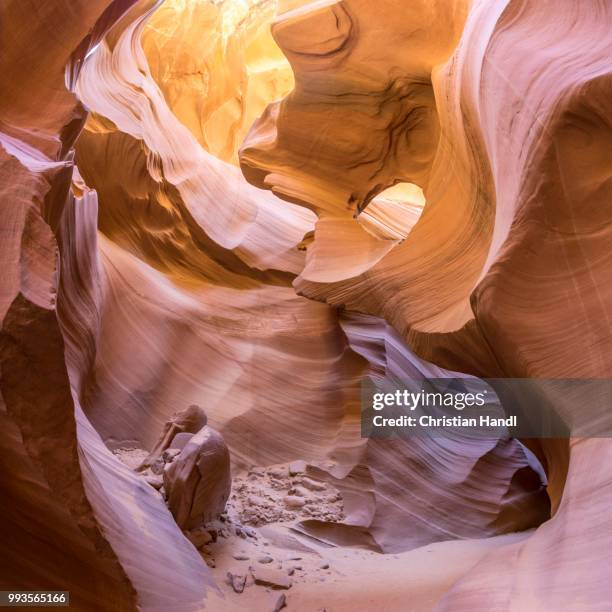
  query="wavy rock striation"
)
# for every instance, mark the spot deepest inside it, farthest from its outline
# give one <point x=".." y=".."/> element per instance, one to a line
<point x="429" y="198"/>
<point x="504" y="272"/>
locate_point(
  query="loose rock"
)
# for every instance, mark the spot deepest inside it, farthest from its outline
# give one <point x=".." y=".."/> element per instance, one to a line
<point x="237" y="581"/>
<point x="157" y="467"/>
<point x="281" y="602"/>
<point x="297" y="467"/>
<point x="313" y="485"/>
<point x="278" y="472"/>
<point x="272" y="578"/>
<point x="198" y="481"/>
<point x="266" y="498"/>
<point x="293" y="501"/>
<point x="199" y="537"/>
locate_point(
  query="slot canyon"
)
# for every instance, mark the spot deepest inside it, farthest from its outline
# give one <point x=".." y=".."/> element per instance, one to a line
<point x="219" y="218"/>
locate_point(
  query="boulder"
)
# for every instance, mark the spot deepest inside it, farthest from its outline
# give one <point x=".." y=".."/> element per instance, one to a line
<point x="198" y="481"/>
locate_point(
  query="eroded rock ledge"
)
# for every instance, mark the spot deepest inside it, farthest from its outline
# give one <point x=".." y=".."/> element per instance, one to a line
<point x="250" y="206"/>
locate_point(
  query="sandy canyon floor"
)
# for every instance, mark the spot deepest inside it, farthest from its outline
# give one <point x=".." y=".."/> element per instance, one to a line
<point x="261" y="560"/>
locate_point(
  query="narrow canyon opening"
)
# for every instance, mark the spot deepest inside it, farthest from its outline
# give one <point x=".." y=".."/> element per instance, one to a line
<point x="275" y="484"/>
<point x="245" y="241"/>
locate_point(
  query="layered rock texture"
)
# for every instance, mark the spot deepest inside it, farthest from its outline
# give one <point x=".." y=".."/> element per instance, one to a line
<point x="218" y="218"/>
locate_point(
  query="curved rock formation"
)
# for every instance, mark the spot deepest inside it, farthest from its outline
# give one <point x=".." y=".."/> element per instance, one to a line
<point x="518" y="192"/>
<point x="426" y="193"/>
<point x="372" y="128"/>
<point x="72" y="513"/>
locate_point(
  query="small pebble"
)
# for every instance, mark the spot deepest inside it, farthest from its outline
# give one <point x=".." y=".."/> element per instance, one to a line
<point x="237" y="581"/>
<point x="293" y="501"/>
<point x="297" y="467"/>
<point x="313" y="485"/>
<point x="266" y="559"/>
<point x="278" y="472"/>
<point x="281" y="602"/>
<point x="158" y="466"/>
